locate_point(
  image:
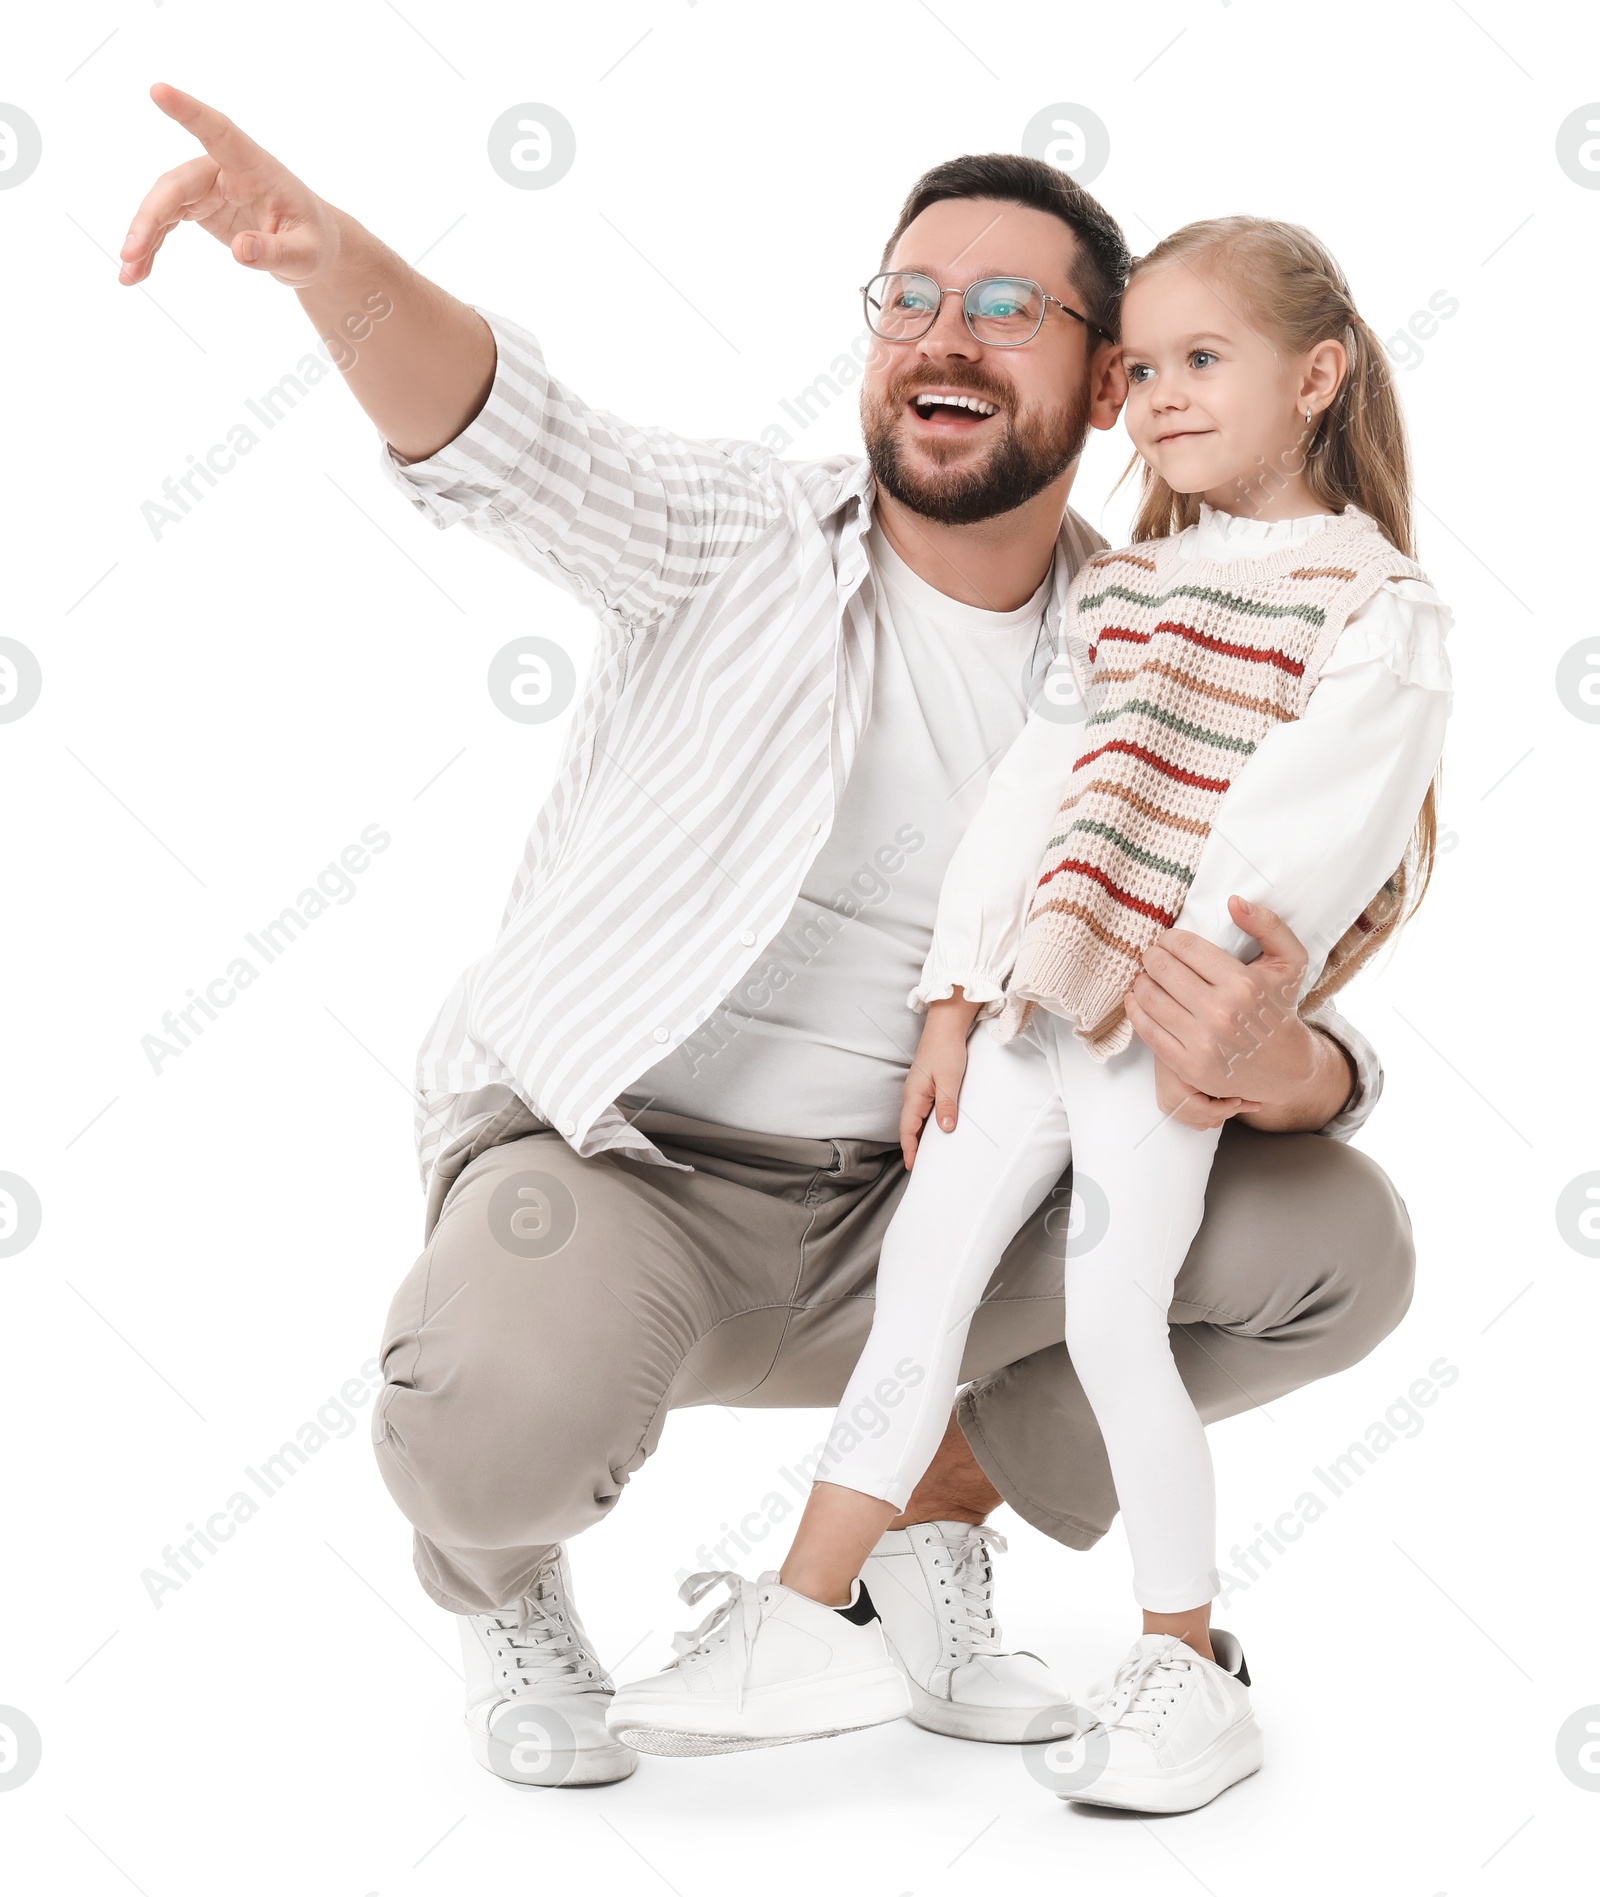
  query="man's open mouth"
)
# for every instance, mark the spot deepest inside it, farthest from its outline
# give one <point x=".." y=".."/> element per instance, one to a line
<point x="952" y="412"/>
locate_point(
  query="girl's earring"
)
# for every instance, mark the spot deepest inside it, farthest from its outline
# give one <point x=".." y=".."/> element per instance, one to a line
<point x="1308" y="418"/>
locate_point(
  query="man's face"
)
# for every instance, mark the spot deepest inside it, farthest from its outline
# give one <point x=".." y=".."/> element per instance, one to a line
<point x="954" y="464"/>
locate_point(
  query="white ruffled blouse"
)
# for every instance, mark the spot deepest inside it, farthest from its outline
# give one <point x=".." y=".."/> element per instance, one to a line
<point x="1310" y="828"/>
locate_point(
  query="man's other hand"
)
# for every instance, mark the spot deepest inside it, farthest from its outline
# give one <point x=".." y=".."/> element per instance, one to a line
<point x="1229" y="1031"/>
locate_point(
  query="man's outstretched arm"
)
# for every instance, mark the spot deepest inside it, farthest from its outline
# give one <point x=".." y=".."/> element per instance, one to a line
<point x="422" y="374"/>
<point x="631" y="521"/>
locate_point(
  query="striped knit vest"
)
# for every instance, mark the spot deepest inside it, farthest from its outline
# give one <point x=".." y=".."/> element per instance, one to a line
<point x="1189" y="665"/>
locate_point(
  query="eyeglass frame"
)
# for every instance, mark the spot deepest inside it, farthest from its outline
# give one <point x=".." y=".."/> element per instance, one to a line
<point x="952" y="290"/>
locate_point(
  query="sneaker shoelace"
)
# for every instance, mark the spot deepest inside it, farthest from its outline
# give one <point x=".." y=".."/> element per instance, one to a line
<point x="972" y="1576"/>
<point x="1146" y="1687"/>
<point x="539" y="1643"/>
<point x="735" y="1619"/>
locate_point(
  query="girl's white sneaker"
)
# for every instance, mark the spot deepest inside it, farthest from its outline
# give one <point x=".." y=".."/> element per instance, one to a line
<point x="1173" y="1729"/>
<point x="766" y="1667"/>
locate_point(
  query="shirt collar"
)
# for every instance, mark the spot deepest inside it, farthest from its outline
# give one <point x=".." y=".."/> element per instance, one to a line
<point x="856" y="483"/>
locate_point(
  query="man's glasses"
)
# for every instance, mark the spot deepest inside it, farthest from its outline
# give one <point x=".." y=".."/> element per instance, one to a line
<point x="1001" y="312"/>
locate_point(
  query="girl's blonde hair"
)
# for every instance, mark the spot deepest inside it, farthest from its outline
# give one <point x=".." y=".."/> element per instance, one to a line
<point x="1357" y="456"/>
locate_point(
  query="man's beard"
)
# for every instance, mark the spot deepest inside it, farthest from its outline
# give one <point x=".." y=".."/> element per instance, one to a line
<point x="1023" y="462"/>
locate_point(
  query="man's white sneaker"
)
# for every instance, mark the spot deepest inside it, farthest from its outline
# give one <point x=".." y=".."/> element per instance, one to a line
<point x="1173" y="1730"/>
<point x="933" y="1585"/>
<point x="766" y="1667"/>
<point x="536" y="1695"/>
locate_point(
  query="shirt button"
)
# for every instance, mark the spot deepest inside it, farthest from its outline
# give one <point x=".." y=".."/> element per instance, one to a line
<point x="569" y="1127"/>
<point x="661" y="1034"/>
<point x="816" y="826"/>
<point x="748" y="939"/>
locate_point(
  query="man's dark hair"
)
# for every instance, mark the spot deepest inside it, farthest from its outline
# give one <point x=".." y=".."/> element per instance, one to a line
<point x="1099" y="268"/>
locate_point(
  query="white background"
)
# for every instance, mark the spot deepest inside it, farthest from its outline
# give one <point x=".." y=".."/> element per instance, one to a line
<point x="231" y="704"/>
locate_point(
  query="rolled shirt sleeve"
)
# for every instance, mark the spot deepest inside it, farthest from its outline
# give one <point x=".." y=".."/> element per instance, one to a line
<point x="631" y="520"/>
<point x="1368" y="1084"/>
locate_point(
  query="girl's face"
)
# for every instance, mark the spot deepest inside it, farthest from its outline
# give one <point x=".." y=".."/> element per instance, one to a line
<point x="1215" y="405"/>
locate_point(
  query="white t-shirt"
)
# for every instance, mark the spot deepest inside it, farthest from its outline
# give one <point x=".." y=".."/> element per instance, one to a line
<point x="824" y="1054"/>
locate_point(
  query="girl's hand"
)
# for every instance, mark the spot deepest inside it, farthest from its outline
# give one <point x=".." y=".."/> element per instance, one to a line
<point x="1183" y="1103"/>
<point x="937" y="1070"/>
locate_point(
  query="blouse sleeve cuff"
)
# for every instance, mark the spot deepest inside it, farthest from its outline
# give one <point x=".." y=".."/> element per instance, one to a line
<point x="981" y="985"/>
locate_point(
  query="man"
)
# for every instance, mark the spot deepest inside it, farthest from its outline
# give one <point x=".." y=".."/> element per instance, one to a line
<point x="659" y="1118"/>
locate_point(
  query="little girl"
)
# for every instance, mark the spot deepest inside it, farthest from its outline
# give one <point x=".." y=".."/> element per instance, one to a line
<point x="1261" y="699"/>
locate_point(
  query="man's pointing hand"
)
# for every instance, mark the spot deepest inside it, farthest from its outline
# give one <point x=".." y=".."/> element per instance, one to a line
<point x="238" y="194"/>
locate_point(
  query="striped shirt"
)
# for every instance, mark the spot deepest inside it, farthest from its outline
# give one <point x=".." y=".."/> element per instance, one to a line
<point x="731" y="679"/>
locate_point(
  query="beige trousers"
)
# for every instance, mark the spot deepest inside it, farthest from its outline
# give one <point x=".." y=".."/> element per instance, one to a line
<point x="563" y="1306"/>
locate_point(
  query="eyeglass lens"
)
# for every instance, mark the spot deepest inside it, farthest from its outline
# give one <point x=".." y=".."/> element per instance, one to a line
<point x="904" y="304"/>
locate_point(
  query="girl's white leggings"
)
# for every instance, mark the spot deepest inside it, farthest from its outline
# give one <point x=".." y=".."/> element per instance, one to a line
<point x="1139" y="1183"/>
